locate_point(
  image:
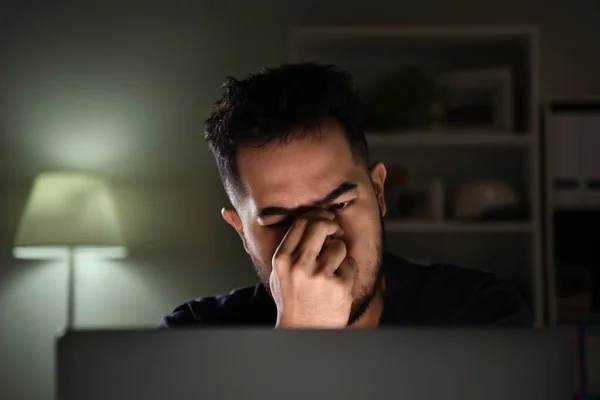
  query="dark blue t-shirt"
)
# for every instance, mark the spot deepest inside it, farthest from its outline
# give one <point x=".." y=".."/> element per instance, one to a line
<point x="415" y="295"/>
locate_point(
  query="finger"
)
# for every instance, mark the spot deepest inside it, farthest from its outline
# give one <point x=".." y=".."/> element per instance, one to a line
<point x="314" y="237"/>
<point x="347" y="270"/>
<point x="292" y="238"/>
<point x="332" y="256"/>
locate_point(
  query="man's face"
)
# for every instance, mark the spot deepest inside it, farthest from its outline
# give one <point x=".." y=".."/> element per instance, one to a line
<point x="281" y="181"/>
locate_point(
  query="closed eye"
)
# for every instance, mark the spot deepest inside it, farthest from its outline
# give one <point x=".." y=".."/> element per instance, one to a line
<point x="286" y="223"/>
<point x="341" y="206"/>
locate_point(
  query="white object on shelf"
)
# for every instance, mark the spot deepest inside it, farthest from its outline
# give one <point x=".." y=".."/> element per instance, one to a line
<point x="479" y="197"/>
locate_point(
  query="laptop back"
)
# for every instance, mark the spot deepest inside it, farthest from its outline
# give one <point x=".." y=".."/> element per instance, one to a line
<point x="351" y="364"/>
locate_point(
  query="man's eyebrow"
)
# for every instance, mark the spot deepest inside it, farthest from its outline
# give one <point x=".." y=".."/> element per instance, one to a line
<point x="334" y="194"/>
<point x="337" y="192"/>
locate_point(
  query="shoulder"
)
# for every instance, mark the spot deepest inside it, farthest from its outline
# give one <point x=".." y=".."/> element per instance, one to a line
<point x="448" y="294"/>
<point x="476" y="297"/>
<point x="244" y="306"/>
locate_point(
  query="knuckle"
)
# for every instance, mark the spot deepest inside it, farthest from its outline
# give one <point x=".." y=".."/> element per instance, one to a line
<point x="302" y="220"/>
<point x="299" y="274"/>
<point x="304" y="258"/>
<point x="341" y="288"/>
<point x="280" y="259"/>
<point x="322" y="224"/>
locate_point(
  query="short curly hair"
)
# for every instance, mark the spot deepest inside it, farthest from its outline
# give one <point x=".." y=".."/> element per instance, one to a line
<point x="279" y="105"/>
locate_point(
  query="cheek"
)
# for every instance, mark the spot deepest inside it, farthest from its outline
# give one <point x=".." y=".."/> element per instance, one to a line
<point x="263" y="243"/>
<point x="361" y="226"/>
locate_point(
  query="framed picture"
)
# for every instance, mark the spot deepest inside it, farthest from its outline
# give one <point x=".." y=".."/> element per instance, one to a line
<point x="478" y="99"/>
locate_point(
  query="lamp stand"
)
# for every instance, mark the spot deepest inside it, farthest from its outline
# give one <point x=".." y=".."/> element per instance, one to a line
<point x="71" y="289"/>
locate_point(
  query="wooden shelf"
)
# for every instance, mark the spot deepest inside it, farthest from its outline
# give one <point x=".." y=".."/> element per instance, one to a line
<point x="448" y="139"/>
<point x="475" y="34"/>
<point x="402" y="226"/>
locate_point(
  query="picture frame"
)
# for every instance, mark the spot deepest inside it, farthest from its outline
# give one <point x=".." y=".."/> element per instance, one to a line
<point x="479" y="100"/>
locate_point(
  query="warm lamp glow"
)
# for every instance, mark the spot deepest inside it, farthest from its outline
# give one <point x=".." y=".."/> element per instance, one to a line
<point x="69" y="210"/>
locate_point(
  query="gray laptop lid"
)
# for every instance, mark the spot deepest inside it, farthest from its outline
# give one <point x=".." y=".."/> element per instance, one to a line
<point x="349" y="364"/>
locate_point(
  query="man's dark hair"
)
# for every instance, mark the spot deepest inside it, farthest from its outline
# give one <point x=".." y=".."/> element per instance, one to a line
<point x="279" y="105"/>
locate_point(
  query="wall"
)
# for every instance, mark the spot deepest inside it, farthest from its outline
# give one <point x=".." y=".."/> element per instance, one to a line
<point x="124" y="89"/>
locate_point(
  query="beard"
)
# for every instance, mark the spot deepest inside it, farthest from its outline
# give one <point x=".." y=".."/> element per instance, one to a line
<point x="361" y="303"/>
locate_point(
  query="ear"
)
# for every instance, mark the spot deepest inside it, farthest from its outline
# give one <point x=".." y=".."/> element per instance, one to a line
<point x="378" y="174"/>
<point x="231" y="216"/>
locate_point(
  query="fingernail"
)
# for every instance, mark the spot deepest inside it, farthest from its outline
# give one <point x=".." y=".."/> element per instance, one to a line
<point x="329" y="215"/>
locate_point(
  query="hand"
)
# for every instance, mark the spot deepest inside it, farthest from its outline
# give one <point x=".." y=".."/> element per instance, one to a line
<point x="312" y="277"/>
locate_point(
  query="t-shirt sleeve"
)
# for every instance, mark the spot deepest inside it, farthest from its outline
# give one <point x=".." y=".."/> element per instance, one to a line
<point x="494" y="302"/>
<point x="182" y="316"/>
<point x="243" y="306"/>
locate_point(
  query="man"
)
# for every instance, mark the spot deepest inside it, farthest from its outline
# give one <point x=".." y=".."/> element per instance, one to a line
<point x="308" y="206"/>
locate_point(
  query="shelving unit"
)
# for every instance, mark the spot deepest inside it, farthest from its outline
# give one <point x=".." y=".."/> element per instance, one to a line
<point x="512" y="249"/>
<point x="440" y="139"/>
<point x="572" y="199"/>
<point x="402" y="226"/>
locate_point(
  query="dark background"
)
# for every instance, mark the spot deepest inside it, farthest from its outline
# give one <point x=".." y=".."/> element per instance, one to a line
<point x="124" y="88"/>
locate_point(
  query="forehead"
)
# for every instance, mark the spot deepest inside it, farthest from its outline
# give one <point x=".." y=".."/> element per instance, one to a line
<point x="297" y="173"/>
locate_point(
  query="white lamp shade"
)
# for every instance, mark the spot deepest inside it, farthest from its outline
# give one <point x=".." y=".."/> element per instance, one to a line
<point x="69" y="210"/>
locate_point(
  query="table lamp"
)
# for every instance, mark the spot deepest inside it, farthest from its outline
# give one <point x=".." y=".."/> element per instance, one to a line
<point x="69" y="214"/>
